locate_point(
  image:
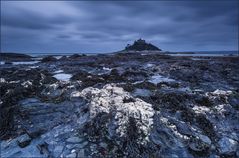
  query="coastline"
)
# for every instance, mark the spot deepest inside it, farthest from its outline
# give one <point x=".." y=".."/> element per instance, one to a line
<point x="90" y="103"/>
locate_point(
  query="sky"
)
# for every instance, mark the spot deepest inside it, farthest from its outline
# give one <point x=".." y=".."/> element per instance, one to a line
<point x="108" y="26"/>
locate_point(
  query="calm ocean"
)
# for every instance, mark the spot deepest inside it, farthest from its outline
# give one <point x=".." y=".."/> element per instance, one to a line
<point x="206" y="53"/>
<point x="197" y="53"/>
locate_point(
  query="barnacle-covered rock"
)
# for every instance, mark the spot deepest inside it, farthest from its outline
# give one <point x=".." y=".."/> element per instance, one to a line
<point x="117" y="116"/>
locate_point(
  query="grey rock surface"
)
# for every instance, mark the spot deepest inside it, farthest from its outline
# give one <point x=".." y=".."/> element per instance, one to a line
<point x="128" y="104"/>
<point x="227" y="146"/>
<point x="24" y="140"/>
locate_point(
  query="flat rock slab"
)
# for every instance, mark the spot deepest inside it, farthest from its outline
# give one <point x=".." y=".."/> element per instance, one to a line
<point x="74" y="140"/>
<point x="24" y="140"/>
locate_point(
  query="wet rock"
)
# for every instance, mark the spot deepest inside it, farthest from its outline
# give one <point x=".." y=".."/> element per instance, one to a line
<point x="83" y="144"/>
<point x="12" y="93"/>
<point x="205" y="139"/>
<point x="146" y="85"/>
<point x="206" y="125"/>
<point x="81" y="153"/>
<point x="128" y="121"/>
<point x="173" y="100"/>
<point x="63" y="58"/>
<point x="128" y="100"/>
<point x="75" y="56"/>
<point x="233" y="100"/>
<point x="24" y="140"/>
<point x="72" y="155"/>
<point x="104" y="145"/>
<point x="128" y="87"/>
<point x="10" y="148"/>
<point x="8" y="63"/>
<point x="52" y="91"/>
<point x="227" y="146"/>
<point x="198" y="147"/>
<point x="134" y="75"/>
<point x="59" y="91"/>
<point x="204" y="101"/>
<point x="80" y="75"/>
<point x="114" y="123"/>
<point x="113" y="77"/>
<point x="48" y="59"/>
<point x="15" y="56"/>
<point x="43" y="148"/>
<point x="74" y="140"/>
<point x="88" y="79"/>
<point x="114" y="72"/>
<point x="58" y="150"/>
<point x="183" y="129"/>
<point x="168" y="84"/>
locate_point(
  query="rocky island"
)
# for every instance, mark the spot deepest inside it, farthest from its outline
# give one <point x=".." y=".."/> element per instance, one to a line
<point x="120" y="105"/>
<point x="141" y="45"/>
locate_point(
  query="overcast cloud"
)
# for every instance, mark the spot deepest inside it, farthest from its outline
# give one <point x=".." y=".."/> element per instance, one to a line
<point x="70" y="27"/>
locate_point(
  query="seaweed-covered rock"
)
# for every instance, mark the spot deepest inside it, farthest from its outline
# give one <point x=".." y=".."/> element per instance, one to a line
<point x="115" y="115"/>
<point x="88" y="79"/>
<point x="63" y="58"/>
<point x="15" y="56"/>
<point x="203" y="101"/>
<point x="59" y="91"/>
<point x="75" y="56"/>
<point x="17" y="85"/>
<point x="48" y="59"/>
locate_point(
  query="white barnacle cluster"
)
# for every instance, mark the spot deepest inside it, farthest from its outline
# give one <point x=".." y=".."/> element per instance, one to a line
<point x="113" y="101"/>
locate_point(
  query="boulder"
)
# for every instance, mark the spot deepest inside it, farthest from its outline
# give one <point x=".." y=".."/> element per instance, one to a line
<point x="24" y="140"/>
<point x="63" y="58"/>
<point x="200" y="146"/>
<point x="115" y="115"/>
<point x="75" y="56"/>
<point x="48" y="59"/>
<point x="227" y="146"/>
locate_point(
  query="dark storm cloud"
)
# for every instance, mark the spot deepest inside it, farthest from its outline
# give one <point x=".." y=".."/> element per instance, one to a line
<point x="25" y="21"/>
<point x="30" y="20"/>
<point x="106" y="26"/>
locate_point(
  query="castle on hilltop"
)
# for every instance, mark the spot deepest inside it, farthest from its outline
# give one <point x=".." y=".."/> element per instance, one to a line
<point x="140" y="45"/>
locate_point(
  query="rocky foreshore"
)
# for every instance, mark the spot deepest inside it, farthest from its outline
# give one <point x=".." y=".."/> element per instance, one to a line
<point x="120" y="105"/>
